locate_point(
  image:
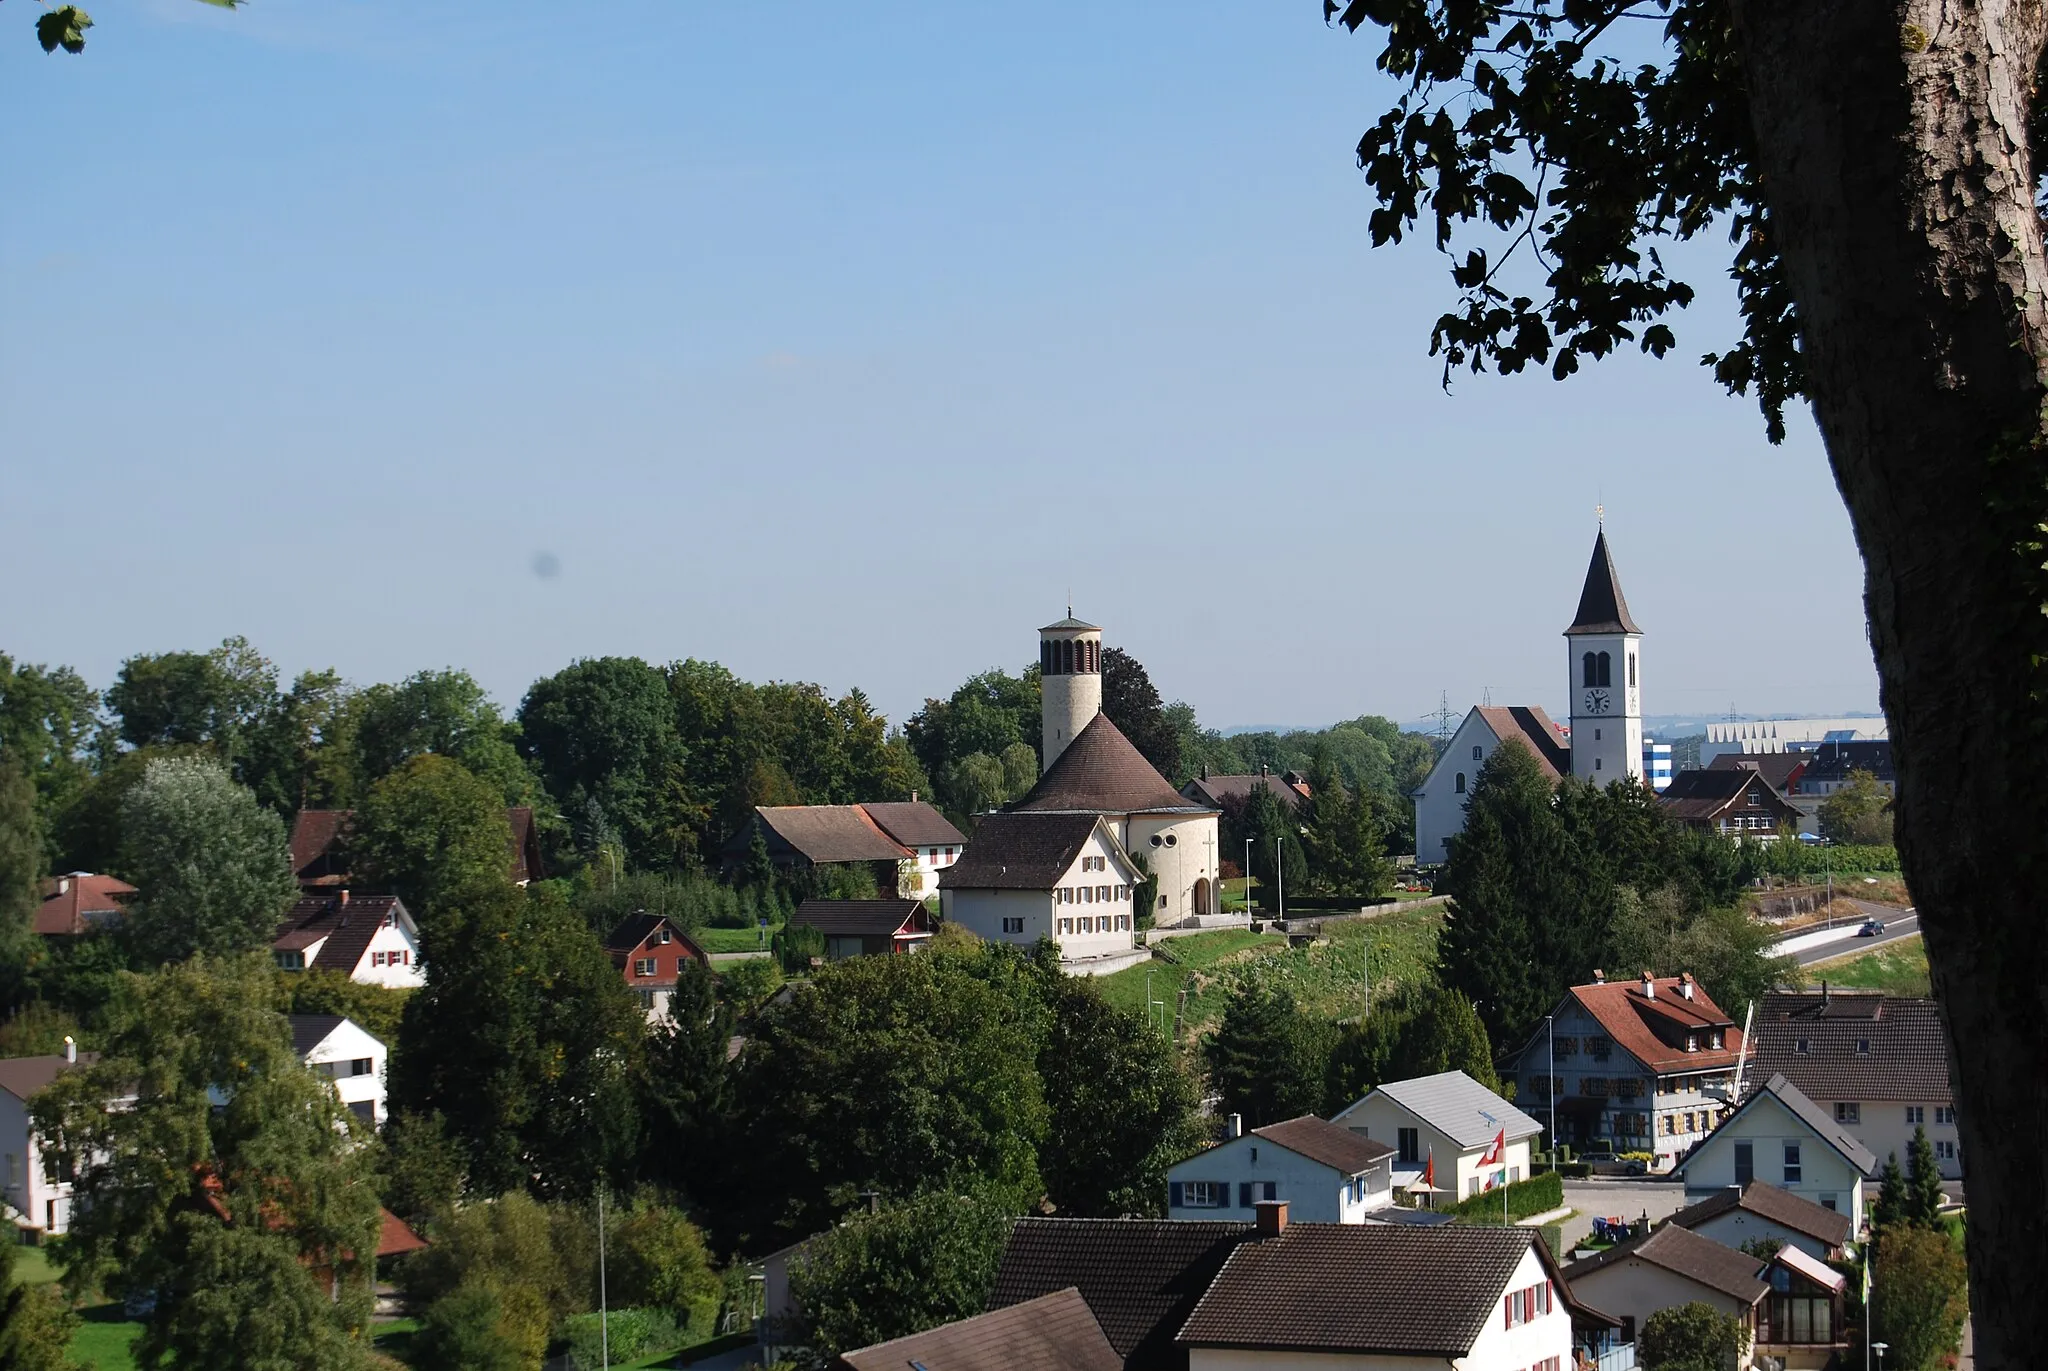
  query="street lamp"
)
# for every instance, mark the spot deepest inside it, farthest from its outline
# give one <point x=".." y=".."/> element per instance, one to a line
<point x="1247" y="878"/>
<point x="1880" y="1348"/>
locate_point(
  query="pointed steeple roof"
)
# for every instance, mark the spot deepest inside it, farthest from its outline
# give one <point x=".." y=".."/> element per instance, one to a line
<point x="1101" y="772"/>
<point x="1601" y="606"/>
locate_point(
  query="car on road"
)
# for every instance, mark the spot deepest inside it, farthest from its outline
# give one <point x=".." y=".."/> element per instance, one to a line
<point x="1871" y="928"/>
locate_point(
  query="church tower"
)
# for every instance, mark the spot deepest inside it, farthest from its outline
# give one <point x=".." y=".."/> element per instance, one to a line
<point x="1070" y="681"/>
<point x="1604" y="650"/>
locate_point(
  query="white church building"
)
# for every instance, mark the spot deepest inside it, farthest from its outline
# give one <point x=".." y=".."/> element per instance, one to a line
<point x="1069" y="860"/>
<point x="1603" y="662"/>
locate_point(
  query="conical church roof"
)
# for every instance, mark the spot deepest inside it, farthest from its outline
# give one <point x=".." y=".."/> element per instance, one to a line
<point x="1601" y="606"/>
<point x="1102" y="773"/>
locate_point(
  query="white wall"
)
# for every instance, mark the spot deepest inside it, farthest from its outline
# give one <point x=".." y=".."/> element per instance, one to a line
<point x="1068" y="702"/>
<point x="393" y="941"/>
<point x="1739" y="1226"/>
<point x="1606" y="747"/>
<point x="1882" y="1128"/>
<point x="1825" y="1175"/>
<point x="918" y="877"/>
<point x="981" y="912"/>
<point x="1439" y="806"/>
<point x="1315" y="1192"/>
<point x="22" y="1183"/>
<point x="334" y="1055"/>
<point x="1191" y="855"/>
<point x="1380" y="1117"/>
<point x="1634" y="1289"/>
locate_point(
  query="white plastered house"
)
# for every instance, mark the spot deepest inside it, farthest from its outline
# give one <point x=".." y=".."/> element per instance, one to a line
<point x="347" y="1055"/>
<point x="1327" y="1174"/>
<point x="1779" y="1135"/>
<point x="1449" y="1120"/>
<point x="1059" y="876"/>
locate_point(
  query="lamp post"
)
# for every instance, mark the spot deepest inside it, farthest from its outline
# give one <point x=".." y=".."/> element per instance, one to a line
<point x="1279" y="879"/>
<point x="1880" y="1348"/>
<point x="1550" y="1029"/>
<point x="1247" y="878"/>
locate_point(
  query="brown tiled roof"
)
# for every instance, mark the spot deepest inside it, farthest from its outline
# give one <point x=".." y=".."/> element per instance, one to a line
<point x="1602" y="608"/>
<point x="394" y="1238"/>
<point x="914" y="823"/>
<point x="824" y="834"/>
<point x="1021" y="852"/>
<point x="1054" y="1332"/>
<point x="1685" y="1253"/>
<point x="1702" y="795"/>
<point x="1781" y="769"/>
<point x="1767" y="1201"/>
<point x="22" y="1077"/>
<point x="1102" y="773"/>
<point x="1907" y="1058"/>
<point x="862" y="918"/>
<point x="1213" y="790"/>
<point x="1632" y="1020"/>
<point x="1322" y="1141"/>
<point x="347" y="925"/>
<point x="1832" y="762"/>
<point x="1361" y="1289"/>
<point x="71" y="902"/>
<point x="1140" y="1277"/>
<point x="1530" y="724"/>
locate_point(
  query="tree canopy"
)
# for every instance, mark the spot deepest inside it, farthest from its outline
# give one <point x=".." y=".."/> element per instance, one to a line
<point x="433" y="834"/>
<point x="212" y="867"/>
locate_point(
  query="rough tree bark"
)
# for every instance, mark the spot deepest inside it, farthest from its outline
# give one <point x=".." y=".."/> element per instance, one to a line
<point x="1892" y="141"/>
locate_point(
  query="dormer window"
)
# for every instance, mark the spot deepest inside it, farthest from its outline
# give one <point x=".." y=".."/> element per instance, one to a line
<point x="1719" y="1039"/>
<point x="1804" y="1047"/>
<point x="1692" y="1042"/>
<point x="664" y="933"/>
<point x="1863" y="1047"/>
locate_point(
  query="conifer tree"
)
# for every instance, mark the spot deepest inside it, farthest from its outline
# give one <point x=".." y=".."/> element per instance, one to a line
<point x="1890" y="1209"/>
<point x="1922" y="1205"/>
<point x="1267" y="1059"/>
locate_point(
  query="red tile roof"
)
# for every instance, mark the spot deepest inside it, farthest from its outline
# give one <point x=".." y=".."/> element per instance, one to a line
<point x="394" y="1238"/>
<point x="75" y="903"/>
<point x="1653" y="1030"/>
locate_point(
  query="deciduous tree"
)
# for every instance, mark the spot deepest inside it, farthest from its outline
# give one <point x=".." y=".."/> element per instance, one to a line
<point x="602" y="731"/>
<point x="21" y="862"/>
<point x="1919" y="1297"/>
<point x="1859" y="812"/>
<point x="433" y="834"/>
<point x="1132" y="703"/>
<point x="211" y="865"/>
<point x="1690" y="1337"/>
<point x="35" y="1324"/>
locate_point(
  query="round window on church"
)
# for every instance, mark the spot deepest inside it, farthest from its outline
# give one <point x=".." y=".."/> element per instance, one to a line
<point x="1171" y="840"/>
<point x="1156" y="840"/>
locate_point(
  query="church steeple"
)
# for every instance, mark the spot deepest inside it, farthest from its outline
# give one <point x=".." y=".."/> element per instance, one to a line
<point x="1601" y="606"/>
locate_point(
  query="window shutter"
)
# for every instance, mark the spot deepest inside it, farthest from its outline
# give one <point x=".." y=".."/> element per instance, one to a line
<point x="1173" y="1193"/>
<point x="1244" y="1194"/>
<point x="1272" y="1190"/>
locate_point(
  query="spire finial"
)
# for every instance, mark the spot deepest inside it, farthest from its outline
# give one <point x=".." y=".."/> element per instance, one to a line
<point x="1600" y="514"/>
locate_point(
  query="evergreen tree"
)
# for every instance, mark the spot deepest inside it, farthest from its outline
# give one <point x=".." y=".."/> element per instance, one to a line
<point x="1267" y="1060"/>
<point x="1922" y="1204"/>
<point x="21" y="857"/>
<point x="1418" y="1030"/>
<point x="689" y="1086"/>
<point x="1267" y="822"/>
<point x="1133" y="705"/>
<point x="1890" y="1209"/>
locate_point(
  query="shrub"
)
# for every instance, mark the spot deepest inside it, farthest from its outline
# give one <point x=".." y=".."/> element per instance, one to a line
<point x="795" y="947"/>
<point x="632" y="1334"/>
<point x="1690" y="1337"/>
<point x="746" y="984"/>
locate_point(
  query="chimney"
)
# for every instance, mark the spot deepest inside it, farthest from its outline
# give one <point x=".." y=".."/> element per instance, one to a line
<point x="1685" y="984"/>
<point x="1262" y="768"/>
<point x="63" y="885"/>
<point x="1649" y="986"/>
<point x="1272" y="1217"/>
<point x="1823" y="996"/>
<point x="341" y="897"/>
<point x="70" y="1048"/>
<point x="1599" y="976"/>
<point x="1234" y="1125"/>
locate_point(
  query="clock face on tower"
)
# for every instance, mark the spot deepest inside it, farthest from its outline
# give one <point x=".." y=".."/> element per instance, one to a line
<point x="1596" y="702"/>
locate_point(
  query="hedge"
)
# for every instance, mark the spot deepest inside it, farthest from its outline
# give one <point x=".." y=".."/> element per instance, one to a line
<point x="1810" y="859"/>
<point x="1539" y="1195"/>
<point x="635" y="1333"/>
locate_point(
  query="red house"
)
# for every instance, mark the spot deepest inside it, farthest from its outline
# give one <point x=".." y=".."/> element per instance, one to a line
<point x="651" y="953"/>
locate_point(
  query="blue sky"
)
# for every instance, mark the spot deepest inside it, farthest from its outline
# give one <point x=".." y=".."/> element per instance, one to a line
<point x="833" y="343"/>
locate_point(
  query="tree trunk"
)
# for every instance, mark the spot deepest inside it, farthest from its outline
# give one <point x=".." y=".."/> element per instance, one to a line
<point x="1892" y="145"/>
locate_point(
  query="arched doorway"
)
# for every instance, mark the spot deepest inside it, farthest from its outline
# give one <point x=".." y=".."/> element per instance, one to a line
<point x="1202" y="892"/>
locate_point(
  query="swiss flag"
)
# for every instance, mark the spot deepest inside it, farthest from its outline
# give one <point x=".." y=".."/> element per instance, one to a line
<point x="1497" y="1151"/>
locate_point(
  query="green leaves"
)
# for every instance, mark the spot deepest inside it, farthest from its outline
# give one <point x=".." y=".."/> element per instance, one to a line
<point x="63" y="27"/>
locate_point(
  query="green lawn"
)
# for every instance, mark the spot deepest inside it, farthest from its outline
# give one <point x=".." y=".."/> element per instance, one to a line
<point x="1327" y="979"/>
<point x="32" y="1266"/>
<point x="394" y="1339"/>
<point x="1898" y="968"/>
<point x="731" y="939"/>
<point x="102" y="1340"/>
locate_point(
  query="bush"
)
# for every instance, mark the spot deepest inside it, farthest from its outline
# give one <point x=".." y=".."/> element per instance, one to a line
<point x="1538" y="1195"/>
<point x="747" y="984"/>
<point x="795" y="947"/>
<point x="633" y="1334"/>
<point x="1690" y="1337"/>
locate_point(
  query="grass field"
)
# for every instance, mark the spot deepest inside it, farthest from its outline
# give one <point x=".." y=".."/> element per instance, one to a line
<point x="731" y="939"/>
<point x="1328" y="979"/>
<point x="32" y="1266"/>
<point x="1898" y="968"/>
<point x="102" y="1340"/>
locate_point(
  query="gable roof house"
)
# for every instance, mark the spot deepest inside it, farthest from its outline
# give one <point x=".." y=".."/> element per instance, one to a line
<point x="866" y="928"/>
<point x="1646" y="1064"/>
<point x="1736" y="803"/>
<point x="799" y="837"/>
<point x="320" y="854"/>
<point x="1100" y="773"/>
<point x="929" y="836"/>
<point x="1446" y="1123"/>
<point x="1879" y="1064"/>
<point x="649" y="952"/>
<point x="44" y="1204"/>
<point x="1667" y="1267"/>
<point x="1055" y="1332"/>
<point x="344" y="1052"/>
<point x="80" y="902"/>
<point x="1225" y="792"/>
<point x="1319" y="1295"/>
<point x="1834" y="762"/>
<point x="1742" y="1214"/>
<point x="368" y="938"/>
<point x="1062" y="876"/>
<point x="1326" y="1173"/>
<point x="1780" y="1135"/>
<point x="1440" y="799"/>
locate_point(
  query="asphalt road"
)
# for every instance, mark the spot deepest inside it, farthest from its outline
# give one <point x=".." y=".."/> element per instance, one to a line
<point x="1897" y="928"/>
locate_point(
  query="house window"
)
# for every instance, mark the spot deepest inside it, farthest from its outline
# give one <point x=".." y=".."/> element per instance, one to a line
<point x="1944" y="1113"/>
<point x="1945" y="1149"/>
<point x="1459" y="787"/>
<point x="1407" y="1143"/>
<point x="1016" y="925"/>
<point x="1692" y="1042"/>
<point x="1478" y="754"/>
<point x="664" y="934"/>
<point x="1863" y="1047"/>
<point x="1596" y="764"/>
<point x="1123" y="925"/>
<point x="643" y="966"/>
<point x="1102" y="893"/>
<point x="376" y="959"/>
<point x="1755" y="800"/>
<point x="1804" y="1047"/>
<point x="1718" y="1040"/>
<point x="1848" y="1111"/>
<point x="1916" y="1113"/>
<point x="1084" y="924"/>
<point x="1793" y="1171"/>
<point x="1251" y="1192"/>
<point x="291" y="961"/>
<point x="949" y="854"/>
<point x="1745" y="1162"/>
<point x="1066" y="925"/>
<point x="1204" y="1194"/>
